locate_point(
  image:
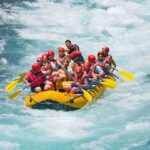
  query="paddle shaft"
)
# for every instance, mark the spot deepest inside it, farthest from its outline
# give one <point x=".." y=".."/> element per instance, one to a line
<point x="116" y="76"/>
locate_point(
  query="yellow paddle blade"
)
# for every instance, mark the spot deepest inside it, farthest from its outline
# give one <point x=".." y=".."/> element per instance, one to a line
<point x="11" y="85"/>
<point x="108" y="85"/>
<point x="87" y="95"/>
<point x="109" y="81"/>
<point x="22" y="74"/>
<point x="15" y="94"/>
<point x="127" y="75"/>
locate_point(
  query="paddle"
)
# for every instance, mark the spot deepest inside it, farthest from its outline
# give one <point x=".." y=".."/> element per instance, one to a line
<point x="122" y="80"/>
<point x="109" y="82"/>
<point x="15" y="94"/>
<point x="105" y="82"/>
<point x="9" y="87"/>
<point x="125" y="74"/>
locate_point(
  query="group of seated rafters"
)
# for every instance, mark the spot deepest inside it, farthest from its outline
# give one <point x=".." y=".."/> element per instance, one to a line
<point x="49" y="72"/>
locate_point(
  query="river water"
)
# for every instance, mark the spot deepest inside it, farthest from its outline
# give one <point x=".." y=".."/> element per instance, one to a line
<point x="120" y="120"/>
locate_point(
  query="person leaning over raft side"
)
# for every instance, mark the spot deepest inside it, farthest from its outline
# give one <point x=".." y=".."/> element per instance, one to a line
<point x="78" y="60"/>
<point x="109" y="59"/>
<point x="35" y="79"/>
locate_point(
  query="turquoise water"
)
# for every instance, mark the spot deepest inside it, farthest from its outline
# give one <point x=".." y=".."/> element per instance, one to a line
<point x="120" y="120"/>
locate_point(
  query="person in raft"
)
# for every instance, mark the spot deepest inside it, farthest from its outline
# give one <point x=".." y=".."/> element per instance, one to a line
<point x="108" y="59"/>
<point x="62" y="58"/>
<point x="96" y="70"/>
<point x="74" y="53"/>
<point x="81" y="82"/>
<point x="58" y="75"/>
<point x="47" y="70"/>
<point x="105" y="66"/>
<point x="35" y="79"/>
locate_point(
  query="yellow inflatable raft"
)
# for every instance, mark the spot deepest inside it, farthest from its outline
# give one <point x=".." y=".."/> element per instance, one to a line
<point x="61" y="100"/>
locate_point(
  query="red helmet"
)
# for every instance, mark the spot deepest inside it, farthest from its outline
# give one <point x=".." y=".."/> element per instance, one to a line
<point x="36" y="67"/>
<point x="87" y="65"/>
<point x="39" y="59"/>
<point x="91" y="58"/>
<point x="105" y="49"/>
<point x="50" y="53"/>
<point x="78" y="69"/>
<point x="61" y="49"/>
<point x="44" y="56"/>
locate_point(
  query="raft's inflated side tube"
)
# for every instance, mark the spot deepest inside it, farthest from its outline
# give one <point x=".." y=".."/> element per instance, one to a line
<point x="61" y="100"/>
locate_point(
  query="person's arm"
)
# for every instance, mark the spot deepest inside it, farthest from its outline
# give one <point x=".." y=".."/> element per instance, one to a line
<point x="113" y="66"/>
<point x="25" y="79"/>
<point x="85" y="85"/>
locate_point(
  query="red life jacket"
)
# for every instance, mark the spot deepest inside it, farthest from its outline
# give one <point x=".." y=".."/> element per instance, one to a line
<point x="32" y="77"/>
<point x="80" y="79"/>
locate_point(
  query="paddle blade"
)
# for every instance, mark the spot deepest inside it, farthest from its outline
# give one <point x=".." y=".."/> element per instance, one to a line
<point x="110" y="81"/>
<point x="11" y="85"/>
<point x="127" y="75"/>
<point x="87" y="95"/>
<point x="15" y="94"/>
<point x="22" y="74"/>
<point x="108" y="85"/>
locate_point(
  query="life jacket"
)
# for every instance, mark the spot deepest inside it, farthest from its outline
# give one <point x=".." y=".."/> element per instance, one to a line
<point x="80" y="79"/>
<point x="37" y="78"/>
<point x="78" y="59"/>
<point x="73" y="48"/>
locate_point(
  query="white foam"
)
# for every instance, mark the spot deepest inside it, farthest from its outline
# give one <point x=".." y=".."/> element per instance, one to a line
<point x="134" y="126"/>
<point x="2" y="44"/>
<point x="3" y="61"/>
<point x="60" y="124"/>
<point x="9" y="130"/>
<point x="7" y="145"/>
